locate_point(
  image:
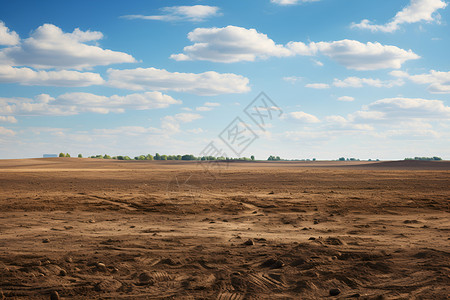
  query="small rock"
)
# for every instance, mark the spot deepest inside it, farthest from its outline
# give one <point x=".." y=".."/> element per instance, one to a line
<point x="334" y="292"/>
<point x="54" y="295"/>
<point x="91" y="221"/>
<point x="312" y="239"/>
<point x="249" y="242"/>
<point x="62" y="272"/>
<point x="110" y="285"/>
<point x="69" y="259"/>
<point x="132" y="226"/>
<point x="271" y="193"/>
<point x="45" y="241"/>
<point x="355" y="296"/>
<point x="101" y="267"/>
<point x="304" y="228"/>
<point x="316" y="222"/>
<point x="145" y="278"/>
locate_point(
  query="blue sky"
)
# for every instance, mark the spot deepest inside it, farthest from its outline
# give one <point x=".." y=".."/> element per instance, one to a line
<point x="354" y="78"/>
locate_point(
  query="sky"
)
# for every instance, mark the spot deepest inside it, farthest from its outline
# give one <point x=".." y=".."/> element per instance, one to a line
<point x="339" y="78"/>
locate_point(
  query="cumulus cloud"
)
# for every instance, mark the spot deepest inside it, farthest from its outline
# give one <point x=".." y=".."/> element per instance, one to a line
<point x="207" y="83"/>
<point x="301" y="117"/>
<point x="27" y="76"/>
<point x="8" y="119"/>
<point x="356" y="82"/>
<point x="195" y="13"/>
<point x="49" y="47"/>
<point x="416" y="11"/>
<point x="234" y="44"/>
<point x="397" y="110"/>
<point x="75" y="103"/>
<point x="291" y="2"/>
<point x="318" y="86"/>
<point x="410" y="108"/>
<point x="8" y="37"/>
<point x="369" y="56"/>
<point x="230" y="44"/>
<point x="438" y="82"/>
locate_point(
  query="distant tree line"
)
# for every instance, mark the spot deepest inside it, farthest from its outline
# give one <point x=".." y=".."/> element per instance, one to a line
<point x="355" y="159"/>
<point x="424" y="158"/>
<point x="158" y="156"/>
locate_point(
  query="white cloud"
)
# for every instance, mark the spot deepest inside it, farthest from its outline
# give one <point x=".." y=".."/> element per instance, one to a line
<point x="203" y="108"/>
<point x="411" y="108"/>
<point x="341" y="123"/>
<point x="319" y="86"/>
<point x="364" y="115"/>
<point x="8" y="119"/>
<point x="356" y="82"/>
<point x="234" y="44"/>
<point x="416" y="11"/>
<point x="195" y="13"/>
<point x="6" y="131"/>
<point x="230" y="44"/>
<point x="27" y="76"/>
<point x="301" y="117"/>
<point x="214" y="104"/>
<point x="49" y="47"/>
<point x="317" y="62"/>
<point x="8" y="37"/>
<point x="346" y="98"/>
<point x="171" y="124"/>
<point x="207" y="106"/>
<point x="291" y="2"/>
<point x="438" y="82"/>
<point x="196" y="130"/>
<point x="75" y="103"/>
<point x="369" y="56"/>
<point x="207" y="83"/>
<point x="292" y="79"/>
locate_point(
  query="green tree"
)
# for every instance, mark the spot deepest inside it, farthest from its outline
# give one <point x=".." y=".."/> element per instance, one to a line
<point x="67" y="155"/>
<point x="164" y="157"/>
<point x="252" y="157"/>
<point x="80" y="156"/>
<point x="149" y="157"/>
<point x="106" y="156"/>
<point x="157" y="156"/>
<point x="188" y="157"/>
<point x="62" y="155"/>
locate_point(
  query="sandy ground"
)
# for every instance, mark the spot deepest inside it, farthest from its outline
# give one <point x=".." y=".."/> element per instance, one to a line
<point x="94" y="229"/>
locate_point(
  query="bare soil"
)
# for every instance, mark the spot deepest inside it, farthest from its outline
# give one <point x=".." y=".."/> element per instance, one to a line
<point x="103" y="229"/>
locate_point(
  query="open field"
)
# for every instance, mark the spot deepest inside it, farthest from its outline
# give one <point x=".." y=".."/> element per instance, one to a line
<point x="103" y="229"/>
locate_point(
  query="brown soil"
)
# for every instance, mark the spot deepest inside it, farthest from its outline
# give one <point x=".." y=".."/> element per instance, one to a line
<point x="94" y="229"/>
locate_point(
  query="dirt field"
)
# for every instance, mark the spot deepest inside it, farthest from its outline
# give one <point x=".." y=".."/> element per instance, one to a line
<point x="94" y="229"/>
